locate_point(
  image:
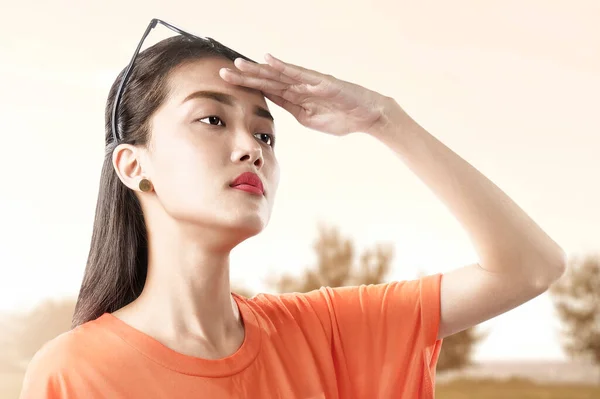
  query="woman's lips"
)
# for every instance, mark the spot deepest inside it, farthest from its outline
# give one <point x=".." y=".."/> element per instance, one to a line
<point x="248" y="188"/>
<point x="249" y="182"/>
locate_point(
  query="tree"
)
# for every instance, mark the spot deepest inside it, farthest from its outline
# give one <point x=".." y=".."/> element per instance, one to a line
<point x="576" y="297"/>
<point x="457" y="350"/>
<point x="335" y="265"/>
<point x="336" y="268"/>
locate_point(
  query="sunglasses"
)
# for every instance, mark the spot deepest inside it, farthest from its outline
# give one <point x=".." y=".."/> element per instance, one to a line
<point x="212" y="42"/>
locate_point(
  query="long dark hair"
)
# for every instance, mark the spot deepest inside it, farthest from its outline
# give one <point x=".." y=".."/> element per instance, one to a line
<point x="117" y="263"/>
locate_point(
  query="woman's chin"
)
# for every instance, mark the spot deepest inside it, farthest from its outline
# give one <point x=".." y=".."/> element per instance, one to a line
<point x="250" y="225"/>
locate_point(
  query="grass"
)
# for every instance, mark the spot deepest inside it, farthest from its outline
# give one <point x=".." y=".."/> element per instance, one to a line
<point x="514" y="389"/>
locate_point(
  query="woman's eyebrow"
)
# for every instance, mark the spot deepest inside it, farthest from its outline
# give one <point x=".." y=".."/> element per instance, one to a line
<point x="227" y="99"/>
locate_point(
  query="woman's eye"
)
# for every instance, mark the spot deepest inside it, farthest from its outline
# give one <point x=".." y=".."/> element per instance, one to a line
<point x="213" y="120"/>
<point x="268" y="139"/>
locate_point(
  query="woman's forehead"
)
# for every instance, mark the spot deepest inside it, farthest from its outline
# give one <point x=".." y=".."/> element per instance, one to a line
<point x="203" y="75"/>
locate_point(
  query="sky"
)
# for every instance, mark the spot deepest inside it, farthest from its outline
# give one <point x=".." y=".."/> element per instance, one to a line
<point x="511" y="86"/>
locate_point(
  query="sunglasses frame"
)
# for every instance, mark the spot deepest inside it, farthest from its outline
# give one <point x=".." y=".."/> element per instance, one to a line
<point x="213" y="43"/>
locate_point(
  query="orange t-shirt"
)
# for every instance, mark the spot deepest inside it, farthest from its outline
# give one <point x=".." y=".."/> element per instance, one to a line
<point x="369" y="341"/>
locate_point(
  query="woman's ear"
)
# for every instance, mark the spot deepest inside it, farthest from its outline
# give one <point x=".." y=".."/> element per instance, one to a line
<point x="128" y="160"/>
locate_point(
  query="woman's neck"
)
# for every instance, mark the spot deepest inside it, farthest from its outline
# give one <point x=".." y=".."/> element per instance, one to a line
<point x="186" y="303"/>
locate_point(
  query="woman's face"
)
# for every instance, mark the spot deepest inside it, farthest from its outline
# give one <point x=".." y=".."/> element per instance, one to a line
<point x="206" y="134"/>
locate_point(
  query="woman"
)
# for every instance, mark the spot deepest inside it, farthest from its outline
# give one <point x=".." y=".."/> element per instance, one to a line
<point x="190" y="172"/>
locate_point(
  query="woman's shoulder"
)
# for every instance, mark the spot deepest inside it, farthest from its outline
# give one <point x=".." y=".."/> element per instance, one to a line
<point x="67" y="359"/>
<point x="288" y="302"/>
<point x="67" y="350"/>
<point x="333" y="305"/>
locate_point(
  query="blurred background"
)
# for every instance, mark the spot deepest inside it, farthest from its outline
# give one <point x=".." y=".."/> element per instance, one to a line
<point x="511" y="86"/>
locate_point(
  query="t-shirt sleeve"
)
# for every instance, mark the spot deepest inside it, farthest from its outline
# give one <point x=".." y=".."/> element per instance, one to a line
<point x="383" y="333"/>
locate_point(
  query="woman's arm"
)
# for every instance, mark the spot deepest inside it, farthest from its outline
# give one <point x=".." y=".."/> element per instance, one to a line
<point x="518" y="261"/>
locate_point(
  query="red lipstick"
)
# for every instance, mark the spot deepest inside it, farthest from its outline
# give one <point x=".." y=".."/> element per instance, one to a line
<point x="249" y="182"/>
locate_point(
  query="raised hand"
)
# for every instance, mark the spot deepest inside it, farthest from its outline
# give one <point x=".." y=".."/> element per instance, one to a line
<point x="318" y="101"/>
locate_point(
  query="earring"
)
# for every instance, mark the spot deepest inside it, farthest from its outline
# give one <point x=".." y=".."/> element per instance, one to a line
<point x="145" y="185"/>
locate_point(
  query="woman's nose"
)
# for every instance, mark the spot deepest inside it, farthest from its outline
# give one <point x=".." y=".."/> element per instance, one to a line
<point x="248" y="150"/>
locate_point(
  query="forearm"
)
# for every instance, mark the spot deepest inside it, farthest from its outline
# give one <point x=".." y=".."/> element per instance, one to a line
<point x="506" y="239"/>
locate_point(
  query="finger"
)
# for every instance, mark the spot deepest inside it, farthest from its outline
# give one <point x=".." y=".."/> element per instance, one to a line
<point x="295" y="72"/>
<point x="263" y="71"/>
<point x="292" y="108"/>
<point x="264" y="85"/>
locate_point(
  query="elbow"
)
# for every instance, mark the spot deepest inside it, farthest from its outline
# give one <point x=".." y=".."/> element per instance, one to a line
<point x="550" y="272"/>
<point x="559" y="266"/>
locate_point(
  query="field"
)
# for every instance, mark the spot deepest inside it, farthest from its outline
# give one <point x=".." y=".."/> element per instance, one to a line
<point x="514" y="389"/>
